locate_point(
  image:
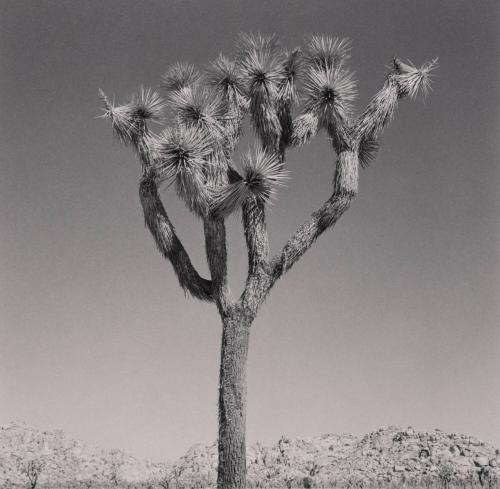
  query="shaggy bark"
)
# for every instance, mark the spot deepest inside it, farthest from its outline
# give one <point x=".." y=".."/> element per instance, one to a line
<point x="231" y="472"/>
<point x="215" y="245"/>
<point x="257" y="240"/>
<point x="345" y="188"/>
<point x="168" y="243"/>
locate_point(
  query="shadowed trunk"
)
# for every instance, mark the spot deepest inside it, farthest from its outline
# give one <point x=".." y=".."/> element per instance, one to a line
<point x="231" y="473"/>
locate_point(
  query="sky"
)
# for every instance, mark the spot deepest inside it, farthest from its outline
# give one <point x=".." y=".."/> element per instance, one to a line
<point x="392" y="318"/>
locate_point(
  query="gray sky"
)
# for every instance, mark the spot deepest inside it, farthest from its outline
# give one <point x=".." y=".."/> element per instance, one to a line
<point x="392" y="318"/>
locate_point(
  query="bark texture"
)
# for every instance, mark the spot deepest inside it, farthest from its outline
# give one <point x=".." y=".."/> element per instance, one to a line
<point x="231" y="472"/>
<point x="257" y="240"/>
<point x="345" y="188"/>
<point x="168" y="243"/>
<point x="215" y="246"/>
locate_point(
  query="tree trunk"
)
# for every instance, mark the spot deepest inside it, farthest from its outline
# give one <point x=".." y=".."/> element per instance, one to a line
<point x="231" y="473"/>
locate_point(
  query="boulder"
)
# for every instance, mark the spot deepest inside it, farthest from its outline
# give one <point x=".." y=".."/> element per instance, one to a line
<point x="481" y="461"/>
<point x="461" y="461"/>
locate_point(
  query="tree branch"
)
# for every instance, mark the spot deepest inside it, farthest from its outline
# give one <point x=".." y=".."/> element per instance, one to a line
<point x="215" y="245"/>
<point x="345" y="188"/>
<point x="168" y="243"/>
<point x="257" y="240"/>
<point x="379" y="111"/>
<point x="404" y="80"/>
<point x="158" y="223"/>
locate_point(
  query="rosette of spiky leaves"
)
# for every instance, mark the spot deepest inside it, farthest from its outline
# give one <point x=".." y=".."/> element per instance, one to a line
<point x="180" y="75"/>
<point x="260" y="60"/>
<point x="148" y="105"/>
<point x="412" y="80"/>
<point x="327" y="52"/>
<point x="330" y="93"/>
<point x="257" y="42"/>
<point x="121" y="119"/>
<point x="260" y="173"/>
<point x="128" y="121"/>
<point x="224" y="76"/>
<point x="201" y="108"/>
<point x="183" y="153"/>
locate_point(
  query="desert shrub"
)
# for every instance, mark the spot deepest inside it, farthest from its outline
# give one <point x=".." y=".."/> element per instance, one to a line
<point x="306" y="482"/>
<point x="445" y="475"/>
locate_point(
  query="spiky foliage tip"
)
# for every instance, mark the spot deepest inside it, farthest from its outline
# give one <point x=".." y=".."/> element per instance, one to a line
<point x="327" y="52"/>
<point x="128" y="121"/>
<point x="259" y="175"/>
<point x="259" y="42"/>
<point x="262" y="68"/>
<point x="200" y="107"/>
<point x="412" y="80"/>
<point x="261" y="61"/>
<point x="330" y="93"/>
<point x="183" y="154"/>
<point x="123" y="122"/>
<point x="262" y="172"/>
<point x="180" y="75"/>
<point x="225" y="77"/>
<point x="147" y="105"/>
<point x="182" y="150"/>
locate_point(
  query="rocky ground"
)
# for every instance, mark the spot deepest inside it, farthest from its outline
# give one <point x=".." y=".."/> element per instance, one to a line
<point x="389" y="457"/>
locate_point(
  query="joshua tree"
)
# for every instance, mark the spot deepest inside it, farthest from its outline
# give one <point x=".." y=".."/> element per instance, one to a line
<point x="289" y="97"/>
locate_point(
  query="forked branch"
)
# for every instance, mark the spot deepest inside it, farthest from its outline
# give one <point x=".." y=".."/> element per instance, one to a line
<point x="353" y="142"/>
<point x="345" y="188"/>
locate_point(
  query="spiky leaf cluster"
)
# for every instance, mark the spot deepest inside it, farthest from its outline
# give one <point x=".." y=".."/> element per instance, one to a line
<point x="183" y="154"/>
<point x="262" y="64"/>
<point x="263" y="81"/>
<point x="201" y="108"/>
<point x="179" y="76"/>
<point x="224" y="76"/>
<point x="329" y="91"/>
<point x="260" y="173"/>
<point x="148" y="105"/>
<point x="403" y="80"/>
<point x="327" y="52"/>
<point x="412" y="80"/>
<point x="128" y="121"/>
